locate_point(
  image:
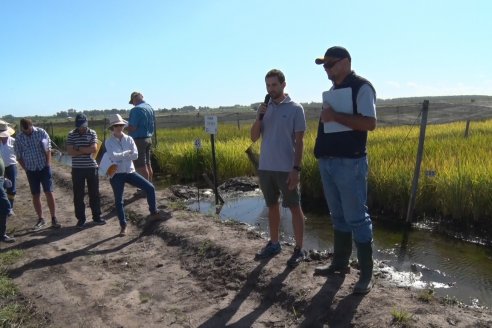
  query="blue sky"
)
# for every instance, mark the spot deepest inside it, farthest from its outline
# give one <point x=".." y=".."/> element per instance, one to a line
<point x="91" y="54"/>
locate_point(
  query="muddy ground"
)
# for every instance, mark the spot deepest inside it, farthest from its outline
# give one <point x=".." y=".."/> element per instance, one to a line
<point x="186" y="269"/>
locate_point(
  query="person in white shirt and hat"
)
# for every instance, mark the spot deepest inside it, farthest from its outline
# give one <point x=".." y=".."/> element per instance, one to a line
<point x="121" y="150"/>
<point x="10" y="161"/>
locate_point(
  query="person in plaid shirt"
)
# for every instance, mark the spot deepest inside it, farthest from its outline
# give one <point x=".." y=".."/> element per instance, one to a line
<point x="33" y="150"/>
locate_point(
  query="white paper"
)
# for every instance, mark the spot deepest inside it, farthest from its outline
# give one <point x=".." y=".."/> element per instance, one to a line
<point x="341" y="101"/>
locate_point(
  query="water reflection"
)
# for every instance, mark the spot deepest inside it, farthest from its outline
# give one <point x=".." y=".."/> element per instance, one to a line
<point x="416" y="258"/>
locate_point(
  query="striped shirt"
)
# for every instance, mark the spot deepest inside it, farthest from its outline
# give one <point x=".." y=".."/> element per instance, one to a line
<point x="31" y="149"/>
<point x="86" y="139"/>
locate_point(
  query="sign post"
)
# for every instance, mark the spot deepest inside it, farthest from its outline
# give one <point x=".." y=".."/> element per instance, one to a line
<point x="211" y="128"/>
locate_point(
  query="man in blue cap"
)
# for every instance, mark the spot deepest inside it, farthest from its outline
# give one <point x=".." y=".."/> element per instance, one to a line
<point x="82" y="146"/>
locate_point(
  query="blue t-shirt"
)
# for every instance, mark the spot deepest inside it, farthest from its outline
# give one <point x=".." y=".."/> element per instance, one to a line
<point x="142" y="118"/>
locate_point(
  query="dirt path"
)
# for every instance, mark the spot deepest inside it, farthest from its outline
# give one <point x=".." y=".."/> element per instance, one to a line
<point x="188" y="270"/>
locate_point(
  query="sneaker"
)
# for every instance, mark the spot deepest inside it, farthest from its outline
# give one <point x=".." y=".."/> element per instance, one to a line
<point x="269" y="250"/>
<point x="80" y="224"/>
<point x="155" y="214"/>
<point x="55" y="224"/>
<point x="297" y="257"/>
<point x="41" y="223"/>
<point x="122" y="231"/>
<point x="99" y="221"/>
<point x="7" y="239"/>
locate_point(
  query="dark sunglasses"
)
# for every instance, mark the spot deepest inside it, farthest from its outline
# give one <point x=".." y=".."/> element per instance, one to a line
<point x="331" y="64"/>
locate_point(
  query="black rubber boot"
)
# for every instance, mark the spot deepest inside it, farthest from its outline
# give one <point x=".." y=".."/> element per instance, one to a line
<point x="366" y="280"/>
<point x="342" y="249"/>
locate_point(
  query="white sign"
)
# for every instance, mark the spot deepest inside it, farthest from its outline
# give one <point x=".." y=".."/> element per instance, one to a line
<point x="211" y="124"/>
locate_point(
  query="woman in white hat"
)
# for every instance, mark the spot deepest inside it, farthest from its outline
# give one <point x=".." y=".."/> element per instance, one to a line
<point x="10" y="161"/>
<point x="122" y="151"/>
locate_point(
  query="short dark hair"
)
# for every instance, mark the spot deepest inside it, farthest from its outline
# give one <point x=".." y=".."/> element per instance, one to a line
<point x="25" y="123"/>
<point x="276" y="72"/>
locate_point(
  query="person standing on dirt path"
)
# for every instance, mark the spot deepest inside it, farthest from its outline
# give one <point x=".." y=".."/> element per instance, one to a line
<point x="141" y="127"/>
<point x="33" y="150"/>
<point x="4" y="207"/>
<point x="10" y="161"/>
<point x="82" y="146"/>
<point x="343" y="165"/>
<point x="122" y="151"/>
<point x="281" y="124"/>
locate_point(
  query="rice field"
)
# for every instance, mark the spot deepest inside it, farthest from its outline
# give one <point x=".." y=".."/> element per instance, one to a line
<point x="455" y="181"/>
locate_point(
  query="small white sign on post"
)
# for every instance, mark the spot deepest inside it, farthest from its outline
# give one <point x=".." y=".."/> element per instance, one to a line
<point x="211" y="124"/>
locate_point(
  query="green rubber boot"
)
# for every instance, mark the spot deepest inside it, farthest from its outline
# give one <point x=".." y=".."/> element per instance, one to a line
<point x="342" y="249"/>
<point x="366" y="280"/>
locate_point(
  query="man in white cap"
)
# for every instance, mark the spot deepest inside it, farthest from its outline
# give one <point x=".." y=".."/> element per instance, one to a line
<point x="82" y="146"/>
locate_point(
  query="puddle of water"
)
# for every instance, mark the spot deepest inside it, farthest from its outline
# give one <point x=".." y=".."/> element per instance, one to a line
<point x="419" y="259"/>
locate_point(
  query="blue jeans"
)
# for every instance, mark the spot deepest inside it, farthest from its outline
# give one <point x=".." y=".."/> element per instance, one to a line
<point x="4" y="209"/>
<point x="11" y="174"/>
<point x="118" y="184"/>
<point x="345" y="188"/>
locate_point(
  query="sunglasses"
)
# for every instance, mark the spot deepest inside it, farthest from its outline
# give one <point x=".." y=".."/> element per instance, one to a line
<point x="329" y="65"/>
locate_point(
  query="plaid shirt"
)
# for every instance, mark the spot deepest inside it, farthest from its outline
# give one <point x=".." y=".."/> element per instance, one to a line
<point x="31" y="150"/>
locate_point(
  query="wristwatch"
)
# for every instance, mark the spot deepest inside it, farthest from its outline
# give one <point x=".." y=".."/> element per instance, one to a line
<point x="297" y="168"/>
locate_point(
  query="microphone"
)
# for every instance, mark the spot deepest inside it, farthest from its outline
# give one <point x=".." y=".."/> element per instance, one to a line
<point x="267" y="99"/>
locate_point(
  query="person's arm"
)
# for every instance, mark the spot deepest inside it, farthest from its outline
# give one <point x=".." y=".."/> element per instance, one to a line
<point x="255" y="132"/>
<point x="48" y="157"/>
<point x="118" y="155"/>
<point x="71" y="148"/>
<point x="295" y="173"/>
<point x="47" y="147"/>
<point x="21" y="163"/>
<point x="355" y="122"/>
<point x="366" y="106"/>
<point x="132" y="120"/>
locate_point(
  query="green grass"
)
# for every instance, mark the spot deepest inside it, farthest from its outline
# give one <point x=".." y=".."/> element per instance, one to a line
<point x="15" y="311"/>
<point x="401" y="317"/>
<point x="458" y="191"/>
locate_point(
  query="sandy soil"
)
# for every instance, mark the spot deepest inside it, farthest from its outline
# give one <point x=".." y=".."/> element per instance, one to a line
<point x="188" y="270"/>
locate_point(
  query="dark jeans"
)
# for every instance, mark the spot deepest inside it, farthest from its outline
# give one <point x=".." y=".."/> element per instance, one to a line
<point x="4" y="209"/>
<point x="79" y="177"/>
<point x="11" y="174"/>
<point x="118" y="184"/>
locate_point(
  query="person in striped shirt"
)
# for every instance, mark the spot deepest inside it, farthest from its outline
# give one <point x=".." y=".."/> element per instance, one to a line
<point x="82" y="146"/>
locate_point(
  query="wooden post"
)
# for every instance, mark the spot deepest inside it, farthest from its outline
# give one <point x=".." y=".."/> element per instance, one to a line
<point x="420" y="151"/>
<point x="214" y="166"/>
<point x="238" y="125"/>
<point x="467" y="128"/>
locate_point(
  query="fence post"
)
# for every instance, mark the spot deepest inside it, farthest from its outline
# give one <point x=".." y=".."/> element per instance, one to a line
<point x="467" y="128"/>
<point x="420" y="151"/>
